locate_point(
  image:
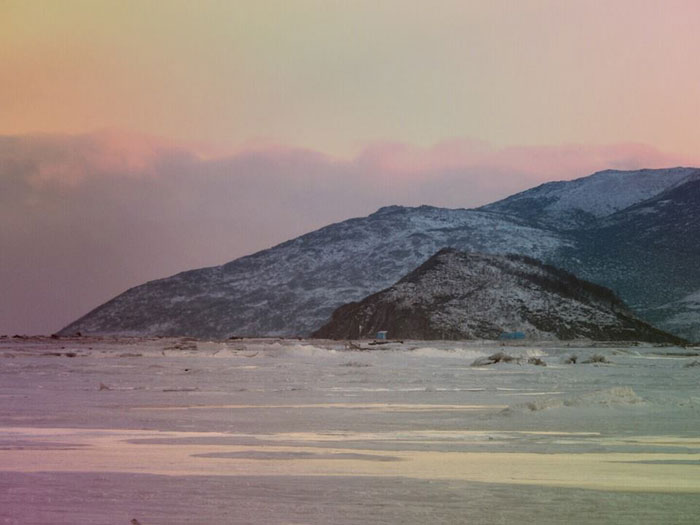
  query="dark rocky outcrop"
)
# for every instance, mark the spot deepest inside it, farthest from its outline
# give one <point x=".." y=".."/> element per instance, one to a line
<point x="457" y="295"/>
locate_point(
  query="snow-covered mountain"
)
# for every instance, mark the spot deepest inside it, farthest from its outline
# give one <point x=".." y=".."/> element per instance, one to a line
<point x="293" y="288"/>
<point x="579" y="203"/>
<point x="646" y="250"/>
<point x="650" y="254"/>
<point x="457" y="295"/>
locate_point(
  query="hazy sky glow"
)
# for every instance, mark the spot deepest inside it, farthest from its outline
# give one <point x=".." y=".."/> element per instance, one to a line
<point x="333" y="75"/>
<point x="140" y="138"/>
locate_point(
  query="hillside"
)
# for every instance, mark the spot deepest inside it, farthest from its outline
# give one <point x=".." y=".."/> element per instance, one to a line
<point x="456" y="295"/>
<point x="293" y="288"/>
<point x="646" y="249"/>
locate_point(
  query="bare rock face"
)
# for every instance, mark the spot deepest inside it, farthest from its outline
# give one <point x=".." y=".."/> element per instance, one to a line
<point x="457" y="295"/>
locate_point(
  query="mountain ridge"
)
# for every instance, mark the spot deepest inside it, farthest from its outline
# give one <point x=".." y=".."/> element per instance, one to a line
<point x="580" y="202"/>
<point x="292" y="288"/>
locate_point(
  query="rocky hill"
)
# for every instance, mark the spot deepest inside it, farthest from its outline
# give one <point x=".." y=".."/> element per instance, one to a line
<point x="635" y="232"/>
<point x="457" y="295"/>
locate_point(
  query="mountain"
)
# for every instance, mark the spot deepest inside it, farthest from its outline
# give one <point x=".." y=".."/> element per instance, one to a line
<point x="293" y="288"/>
<point x="642" y="243"/>
<point x="579" y="203"/>
<point x="650" y="254"/>
<point x="457" y="295"/>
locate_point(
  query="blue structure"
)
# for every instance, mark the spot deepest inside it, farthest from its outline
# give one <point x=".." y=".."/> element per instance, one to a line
<point x="381" y="335"/>
<point x="512" y="335"/>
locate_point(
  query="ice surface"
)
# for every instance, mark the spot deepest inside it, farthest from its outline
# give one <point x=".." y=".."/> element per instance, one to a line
<point x="275" y="431"/>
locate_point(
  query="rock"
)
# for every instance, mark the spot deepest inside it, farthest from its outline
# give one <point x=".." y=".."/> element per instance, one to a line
<point x="597" y="358"/>
<point x="456" y="295"/>
<point x="499" y="357"/>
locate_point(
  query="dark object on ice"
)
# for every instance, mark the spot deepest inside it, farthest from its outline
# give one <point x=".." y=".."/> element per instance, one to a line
<point x="597" y="358"/>
<point x="512" y="335"/>
<point x="456" y="295"/>
<point x="536" y="361"/>
<point x="135" y="522"/>
<point x="692" y="364"/>
<point x="70" y="354"/>
<point x="500" y="357"/>
<point x="571" y="360"/>
<point x="184" y="344"/>
<point x="104" y="387"/>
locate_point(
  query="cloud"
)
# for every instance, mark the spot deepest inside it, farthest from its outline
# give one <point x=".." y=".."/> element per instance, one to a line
<point x="536" y="162"/>
<point x="86" y="216"/>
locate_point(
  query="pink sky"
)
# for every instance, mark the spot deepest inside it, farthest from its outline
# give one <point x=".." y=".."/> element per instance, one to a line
<point x="228" y="127"/>
<point x="332" y="75"/>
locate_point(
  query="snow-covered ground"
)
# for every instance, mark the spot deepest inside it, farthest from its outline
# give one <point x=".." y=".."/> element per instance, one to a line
<point x="169" y="431"/>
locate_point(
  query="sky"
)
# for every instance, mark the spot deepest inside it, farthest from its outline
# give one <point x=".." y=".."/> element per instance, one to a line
<point x="142" y="138"/>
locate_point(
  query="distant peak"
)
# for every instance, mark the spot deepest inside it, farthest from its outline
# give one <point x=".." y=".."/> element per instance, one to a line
<point x="397" y="207"/>
<point x="389" y="209"/>
<point x="446" y="251"/>
<point x="580" y="202"/>
<point x="649" y="171"/>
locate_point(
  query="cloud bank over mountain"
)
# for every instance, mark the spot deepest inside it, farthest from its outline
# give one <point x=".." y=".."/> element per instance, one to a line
<point x="86" y="216"/>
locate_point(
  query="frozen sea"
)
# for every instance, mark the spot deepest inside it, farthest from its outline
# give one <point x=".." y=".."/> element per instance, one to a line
<point x="267" y="431"/>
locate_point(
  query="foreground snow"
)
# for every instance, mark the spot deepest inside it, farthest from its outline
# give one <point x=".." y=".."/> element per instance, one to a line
<point x="288" y="431"/>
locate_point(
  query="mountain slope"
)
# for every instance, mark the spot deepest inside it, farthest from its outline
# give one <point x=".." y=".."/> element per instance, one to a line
<point x="456" y="295"/>
<point x="650" y="254"/>
<point x="292" y="289"/>
<point x="680" y="316"/>
<point x="646" y="249"/>
<point x="580" y="203"/>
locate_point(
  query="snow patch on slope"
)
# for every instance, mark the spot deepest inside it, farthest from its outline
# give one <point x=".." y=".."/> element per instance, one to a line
<point x="609" y="191"/>
<point x="570" y="204"/>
